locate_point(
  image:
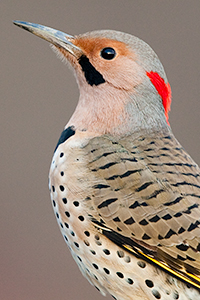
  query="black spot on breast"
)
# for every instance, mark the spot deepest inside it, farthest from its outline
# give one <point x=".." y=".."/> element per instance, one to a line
<point x="62" y="188"/>
<point x="86" y="243"/>
<point x="67" y="133"/>
<point x="141" y="264"/>
<point x="106" y="251"/>
<point x="120" y="253"/>
<point x="87" y="233"/>
<point x="64" y="200"/>
<point x="76" y="244"/>
<point x="106" y="271"/>
<point x="81" y="218"/>
<point x="129" y="280"/>
<point x="127" y="259"/>
<point x="95" y="266"/>
<point x="92" y="76"/>
<point x="66" y="225"/>
<point x="156" y="294"/>
<point x="120" y="274"/>
<point x="149" y="283"/>
<point x="67" y="214"/>
<point x="176" y="295"/>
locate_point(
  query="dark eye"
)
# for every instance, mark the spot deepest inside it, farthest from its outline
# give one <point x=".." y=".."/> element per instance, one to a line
<point x="108" y="53"/>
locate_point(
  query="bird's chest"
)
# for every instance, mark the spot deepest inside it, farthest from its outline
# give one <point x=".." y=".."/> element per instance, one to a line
<point x="69" y="186"/>
<point x="72" y="186"/>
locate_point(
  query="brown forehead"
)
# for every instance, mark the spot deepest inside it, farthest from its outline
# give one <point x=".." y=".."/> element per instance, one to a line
<point x="92" y="45"/>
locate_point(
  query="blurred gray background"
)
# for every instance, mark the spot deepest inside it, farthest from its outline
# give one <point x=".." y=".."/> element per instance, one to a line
<point x="38" y="95"/>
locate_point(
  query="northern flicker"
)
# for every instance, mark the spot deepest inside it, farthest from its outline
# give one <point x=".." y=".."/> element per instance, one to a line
<point x="125" y="193"/>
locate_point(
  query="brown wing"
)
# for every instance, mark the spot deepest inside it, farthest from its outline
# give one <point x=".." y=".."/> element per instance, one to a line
<point x="146" y="191"/>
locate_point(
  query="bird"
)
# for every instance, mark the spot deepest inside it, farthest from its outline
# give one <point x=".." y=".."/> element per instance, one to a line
<point x="125" y="193"/>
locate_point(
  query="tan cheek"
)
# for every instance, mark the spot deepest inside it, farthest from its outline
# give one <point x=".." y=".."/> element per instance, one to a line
<point x="123" y="73"/>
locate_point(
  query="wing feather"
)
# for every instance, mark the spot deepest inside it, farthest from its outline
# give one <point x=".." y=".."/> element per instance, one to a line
<point x="147" y="190"/>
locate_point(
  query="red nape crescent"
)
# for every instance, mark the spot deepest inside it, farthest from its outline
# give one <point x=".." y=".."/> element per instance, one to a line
<point x="163" y="89"/>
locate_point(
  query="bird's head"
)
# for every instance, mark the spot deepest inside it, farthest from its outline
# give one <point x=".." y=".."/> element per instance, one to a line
<point x="123" y="86"/>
